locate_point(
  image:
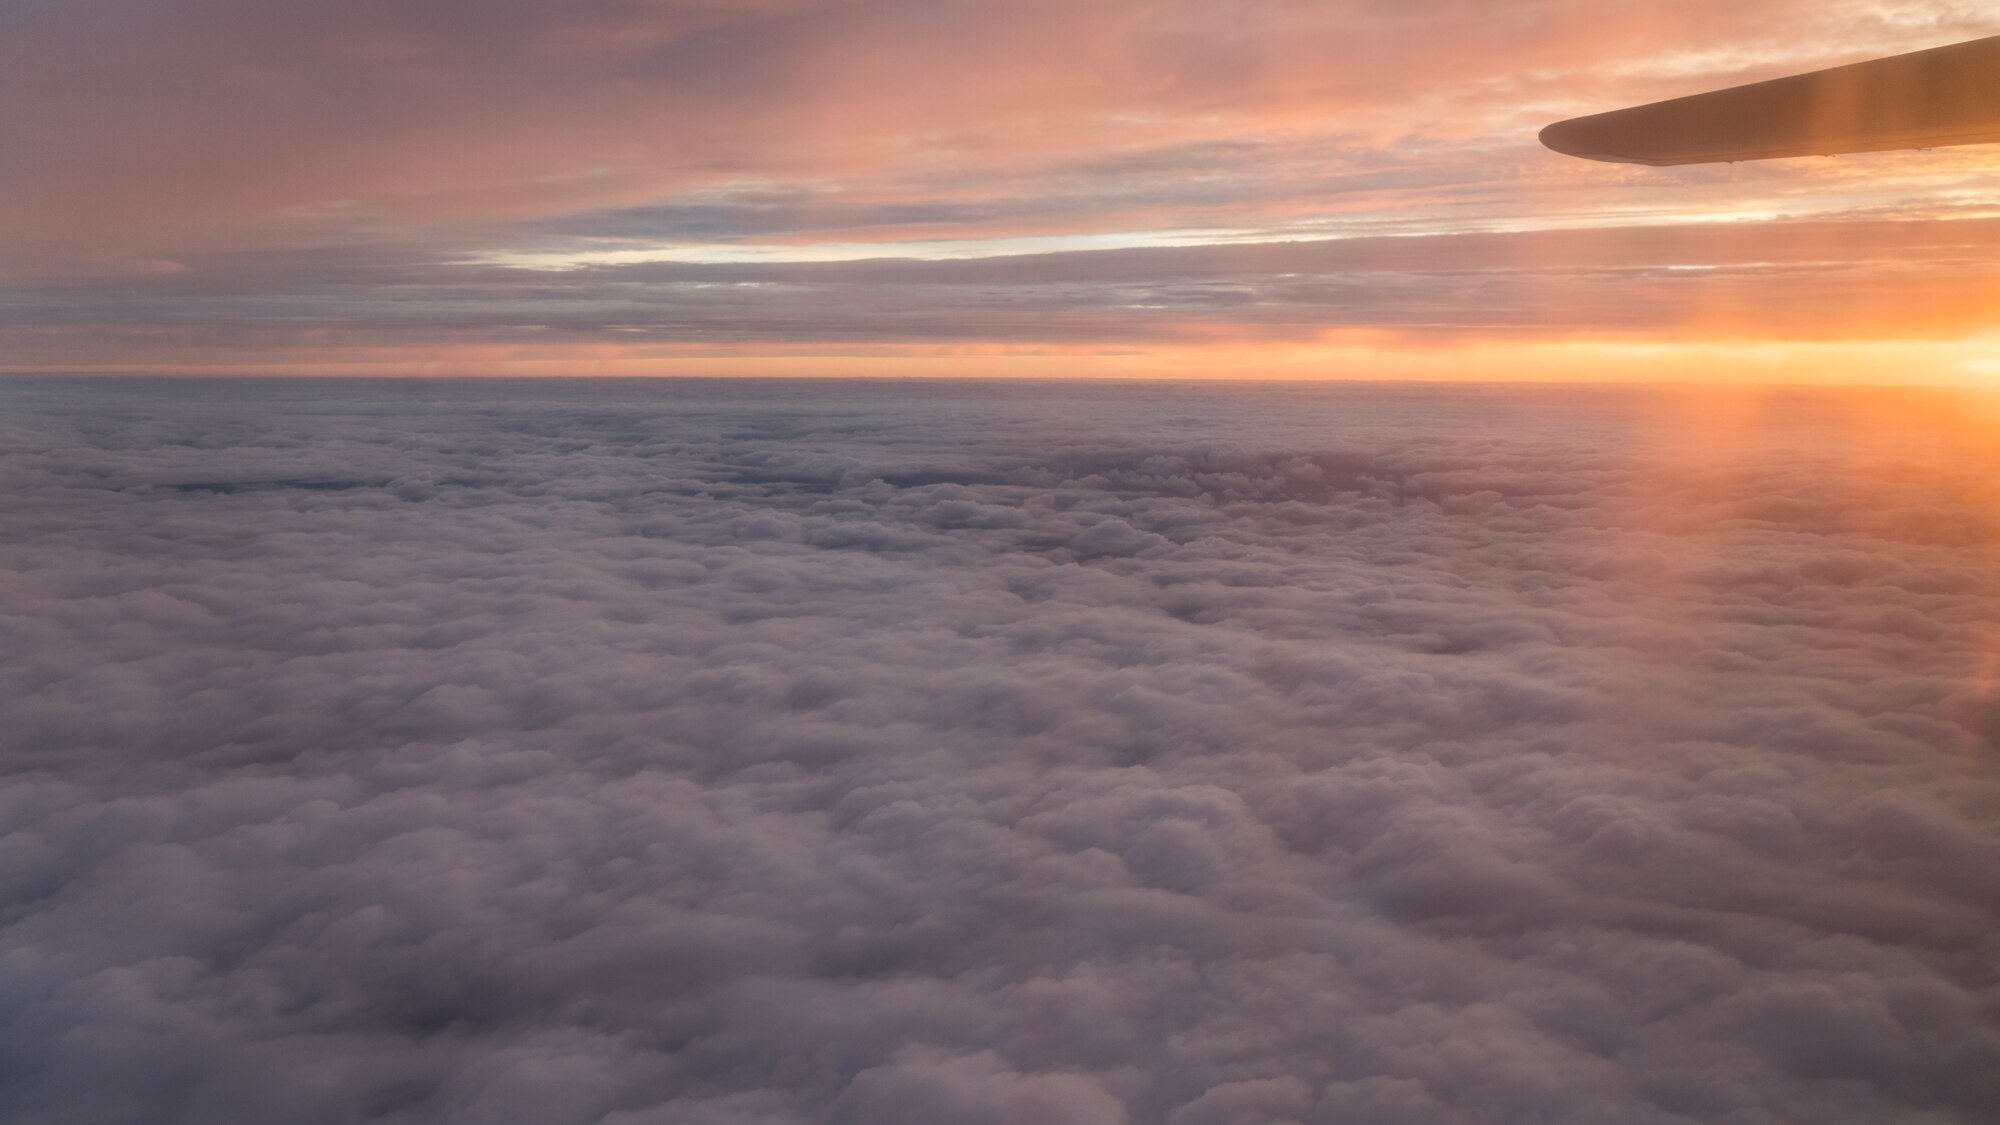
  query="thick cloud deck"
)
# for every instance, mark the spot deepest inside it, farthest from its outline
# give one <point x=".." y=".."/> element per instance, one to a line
<point x="762" y="754"/>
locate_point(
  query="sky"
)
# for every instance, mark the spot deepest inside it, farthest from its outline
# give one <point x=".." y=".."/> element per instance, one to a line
<point x="787" y="752"/>
<point x="1171" y="188"/>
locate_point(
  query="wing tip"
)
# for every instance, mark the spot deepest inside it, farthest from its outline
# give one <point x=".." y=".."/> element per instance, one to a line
<point x="1578" y="137"/>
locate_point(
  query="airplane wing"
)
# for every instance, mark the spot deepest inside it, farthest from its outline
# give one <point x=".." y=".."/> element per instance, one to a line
<point x="1928" y="99"/>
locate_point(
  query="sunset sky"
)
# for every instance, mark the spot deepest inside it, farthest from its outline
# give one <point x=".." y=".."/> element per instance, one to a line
<point x="1236" y="587"/>
<point x="1172" y="188"/>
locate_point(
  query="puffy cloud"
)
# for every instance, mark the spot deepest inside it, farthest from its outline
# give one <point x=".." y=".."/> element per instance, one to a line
<point x="779" y="753"/>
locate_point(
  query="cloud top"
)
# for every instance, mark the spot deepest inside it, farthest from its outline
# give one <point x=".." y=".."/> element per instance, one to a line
<point x="772" y="752"/>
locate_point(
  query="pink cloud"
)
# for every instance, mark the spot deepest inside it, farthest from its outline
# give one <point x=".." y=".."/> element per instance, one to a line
<point x="148" y="137"/>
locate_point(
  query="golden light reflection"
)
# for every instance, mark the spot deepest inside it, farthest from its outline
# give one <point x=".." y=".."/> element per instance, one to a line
<point x="1359" y="356"/>
<point x="1755" y="488"/>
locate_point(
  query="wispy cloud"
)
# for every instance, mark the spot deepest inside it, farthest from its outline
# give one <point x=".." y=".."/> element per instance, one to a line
<point x="161" y="155"/>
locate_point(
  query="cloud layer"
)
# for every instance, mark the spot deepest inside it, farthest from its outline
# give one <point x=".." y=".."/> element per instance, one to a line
<point x="783" y="753"/>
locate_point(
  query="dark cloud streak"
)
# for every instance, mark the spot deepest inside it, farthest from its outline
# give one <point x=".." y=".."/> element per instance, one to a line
<point x="1754" y="281"/>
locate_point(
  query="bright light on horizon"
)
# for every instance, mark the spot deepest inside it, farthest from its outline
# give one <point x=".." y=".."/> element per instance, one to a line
<point x="371" y="189"/>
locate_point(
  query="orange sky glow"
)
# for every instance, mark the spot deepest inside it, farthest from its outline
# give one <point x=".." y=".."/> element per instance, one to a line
<point x="1120" y="188"/>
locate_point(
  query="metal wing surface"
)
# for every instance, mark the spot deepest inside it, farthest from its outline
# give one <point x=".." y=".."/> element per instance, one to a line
<point x="1927" y="99"/>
